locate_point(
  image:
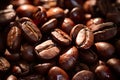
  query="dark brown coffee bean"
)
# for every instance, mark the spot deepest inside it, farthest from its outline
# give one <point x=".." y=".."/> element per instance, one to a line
<point x="49" y="25"/>
<point x="84" y="75"/>
<point x="61" y="37"/>
<point x="88" y="56"/>
<point x="25" y="10"/>
<point x="104" y="31"/>
<point x="4" y="64"/>
<point x="68" y="59"/>
<point x="27" y="52"/>
<point x="114" y="64"/>
<point x="56" y="73"/>
<point x="39" y="15"/>
<point x="58" y="13"/>
<point x="6" y="16"/>
<point x="11" y="77"/>
<point x="105" y="50"/>
<point x="117" y="47"/>
<point x="75" y="30"/>
<point x="12" y="56"/>
<point x="77" y="15"/>
<point x="47" y="50"/>
<point x="84" y="38"/>
<point x="67" y="25"/>
<point x="43" y="68"/>
<point x="31" y="31"/>
<point x="14" y="37"/>
<point x="103" y="73"/>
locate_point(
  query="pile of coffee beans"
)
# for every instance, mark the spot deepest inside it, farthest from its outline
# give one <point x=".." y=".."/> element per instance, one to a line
<point x="59" y="39"/>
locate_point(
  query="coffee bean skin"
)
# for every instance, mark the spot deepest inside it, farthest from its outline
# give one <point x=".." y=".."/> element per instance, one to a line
<point x="84" y="75"/>
<point x="68" y="59"/>
<point x="56" y="73"/>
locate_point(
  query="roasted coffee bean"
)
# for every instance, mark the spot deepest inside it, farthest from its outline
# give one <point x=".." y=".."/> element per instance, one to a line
<point x="21" y="68"/>
<point x="117" y="47"/>
<point x="56" y="12"/>
<point x="114" y="64"/>
<point x="39" y="15"/>
<point x="84" y="38"/>
<point x="11" y="77"/>
<point x="56" y="73"/>
<point x="104" y="31"/>
<point x="61" y="37"/>
<point x="49" y="25"/>
<point x="105" y="50"/>
<point x="14" y="37"/>
<point x="25" y="10"/>
<point x="27" y="52"/>
<point x="12" y="56"/>
<point x="30" y="30"/>
<point x="47" y="50"/>
<point x="104" y="73"/>
<point x="4" y="64"/>
<point x="67" y="25"/>
<point x="84" y="75"/>
<point x="68" y="59"/>
<point x="6" y="16"/>
<point x="88" y="56"/>
<point x="43" y="68"/>
<point x="75" y="30"/>
<point x="77" y="15"/>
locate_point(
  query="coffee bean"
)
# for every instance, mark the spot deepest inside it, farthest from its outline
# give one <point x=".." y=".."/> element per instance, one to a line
<point x="47" y="50"/>
<point x="67" y="25"/>
<point x="25" y="10"/>
<point x="84" y="38"/>
<point x="68" y="59"/>
<point x="30" y="30"/>
<point x="61" y="37"/>
<point x="84" y="75"/>
<point x="14" y="37"/>
<point x="56" y="73"/>
<point x="103" y="73"/>
<point x="4" y="64"/>
<point x="105" y="50"/>
<point x="114" y="64"/>
<point x="49" y="25"/>
<point x="104" y="31"/>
